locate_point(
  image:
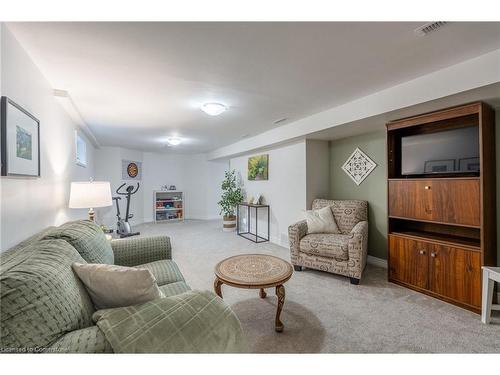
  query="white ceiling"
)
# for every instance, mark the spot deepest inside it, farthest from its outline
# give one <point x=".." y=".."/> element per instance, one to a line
<point x="136" y="84"/>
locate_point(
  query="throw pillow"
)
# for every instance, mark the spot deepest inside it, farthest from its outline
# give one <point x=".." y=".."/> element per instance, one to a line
<point x="321" y="221"/>
<point x="112" y="286"/>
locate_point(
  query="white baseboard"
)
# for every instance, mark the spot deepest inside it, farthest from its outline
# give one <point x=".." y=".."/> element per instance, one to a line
<point x="377" y="261"/>
<point x="213" y="217"/>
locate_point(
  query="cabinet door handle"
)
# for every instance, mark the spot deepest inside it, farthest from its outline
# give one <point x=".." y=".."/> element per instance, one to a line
<point x="427" y="187"/>
<point x="433" y="254"/>
<point x="422" y="252"/>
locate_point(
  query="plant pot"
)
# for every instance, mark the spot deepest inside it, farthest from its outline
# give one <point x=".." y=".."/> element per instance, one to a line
<point x="229" y="223"/>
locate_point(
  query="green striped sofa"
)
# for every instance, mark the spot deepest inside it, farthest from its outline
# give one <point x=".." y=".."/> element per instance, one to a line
<point x="45" y="307"/>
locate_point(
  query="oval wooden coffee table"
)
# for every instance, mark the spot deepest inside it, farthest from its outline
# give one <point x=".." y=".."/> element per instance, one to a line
<point x="255" y="271"/>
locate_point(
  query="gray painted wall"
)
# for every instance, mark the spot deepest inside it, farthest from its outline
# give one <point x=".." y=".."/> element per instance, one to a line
<point x="317" y="170"/>
<point x="374" y="188"/>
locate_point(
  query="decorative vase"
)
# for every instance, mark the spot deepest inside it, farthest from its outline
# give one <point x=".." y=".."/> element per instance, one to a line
<point x="229" y="223"/>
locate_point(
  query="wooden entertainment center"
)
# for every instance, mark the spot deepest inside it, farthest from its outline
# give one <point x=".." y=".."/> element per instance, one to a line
<point x="442" y="226"/>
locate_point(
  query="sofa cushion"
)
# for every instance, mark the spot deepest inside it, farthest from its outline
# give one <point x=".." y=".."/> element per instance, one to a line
<point x="165" y="271"/>
<point x="41" y="298"/>
<point x="192" y="322"/>
<point x="174" y="289"/>
<point x="86" y="340"/>
<point x="87" y="238"/>
<point x="347" y="213"/>
<point x="113" y="286"/>
<point x="327" y="245"/>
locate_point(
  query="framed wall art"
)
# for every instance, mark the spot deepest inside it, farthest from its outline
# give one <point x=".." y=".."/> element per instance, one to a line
<point x="469" y="164"/>
<point x="131" y="170"/>
<point x="19" y="141"/>
<point x="358" y="166"/>
<point x="258" y="167"/>
<point x="439" y="166"/>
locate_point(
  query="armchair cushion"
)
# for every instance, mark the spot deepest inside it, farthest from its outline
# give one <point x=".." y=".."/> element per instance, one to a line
<point x="327" y="245"/>
<point x="347" y="213"/>
<point x="321" y="221"/>
<point x="140" y="250"/>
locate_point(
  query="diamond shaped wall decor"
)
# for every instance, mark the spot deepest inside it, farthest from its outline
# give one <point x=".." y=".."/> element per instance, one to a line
<point x="358" y="166"/>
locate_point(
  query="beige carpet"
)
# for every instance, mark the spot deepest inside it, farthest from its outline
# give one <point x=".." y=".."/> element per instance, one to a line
<point x="323" y="312"/>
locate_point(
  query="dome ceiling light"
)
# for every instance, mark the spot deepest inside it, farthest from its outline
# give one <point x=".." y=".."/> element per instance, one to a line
<point x="213" y="109"/>
<point x="174" y="141"/>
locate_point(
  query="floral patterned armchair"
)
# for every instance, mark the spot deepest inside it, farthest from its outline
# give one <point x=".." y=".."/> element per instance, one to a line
<point x="344" y="253"/>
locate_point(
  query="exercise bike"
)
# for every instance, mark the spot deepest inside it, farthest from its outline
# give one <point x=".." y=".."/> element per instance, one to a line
<point x="123" y="228"/>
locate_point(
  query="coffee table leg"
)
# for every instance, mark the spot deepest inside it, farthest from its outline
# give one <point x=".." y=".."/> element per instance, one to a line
<point x="280" y="293"/>
<point x="217" y="285"/>
<point x="262" y="293"/>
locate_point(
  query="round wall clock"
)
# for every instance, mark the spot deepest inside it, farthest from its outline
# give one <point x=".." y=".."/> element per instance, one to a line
<point x="132" y="170"/>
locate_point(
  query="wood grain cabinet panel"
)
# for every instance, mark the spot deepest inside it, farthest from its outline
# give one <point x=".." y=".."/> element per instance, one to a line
<point x="456" y="202"/>
<point x="456" y="273"/>
<point x="408" y="261"/>
<point x="451" y="201"/>
<point x="410" y="199"/>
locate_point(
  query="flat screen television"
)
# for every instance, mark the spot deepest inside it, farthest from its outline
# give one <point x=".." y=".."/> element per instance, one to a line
<point x="449" y="151"/>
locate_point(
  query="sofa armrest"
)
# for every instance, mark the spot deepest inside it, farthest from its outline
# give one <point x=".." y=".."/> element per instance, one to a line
<point x="295" y="233"/>
<point x="141" y="250"/>
<point x="358" y="248"/>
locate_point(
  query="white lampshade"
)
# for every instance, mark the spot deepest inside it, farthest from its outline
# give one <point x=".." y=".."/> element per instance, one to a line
<point x="90" y="194"/>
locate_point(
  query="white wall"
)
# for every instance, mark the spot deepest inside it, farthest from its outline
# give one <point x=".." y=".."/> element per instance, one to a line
<point x="285" y="191"/>
<point x="198" y="178"/>
<point x="30" y="204"/>
<point x="317" y="170"/>
<point x="108" y="167"/>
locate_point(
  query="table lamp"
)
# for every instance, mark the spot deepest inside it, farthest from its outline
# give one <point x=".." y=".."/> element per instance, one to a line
<point x="91" y="194"/>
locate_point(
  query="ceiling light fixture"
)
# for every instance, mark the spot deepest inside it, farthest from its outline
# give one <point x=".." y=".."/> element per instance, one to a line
<point x="174" y="141"/>
<point x="213" y="109"/>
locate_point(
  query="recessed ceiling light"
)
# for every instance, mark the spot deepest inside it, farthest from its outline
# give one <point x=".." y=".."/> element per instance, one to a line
<point x="174" y="141"/>
<point x="213" y="109"/>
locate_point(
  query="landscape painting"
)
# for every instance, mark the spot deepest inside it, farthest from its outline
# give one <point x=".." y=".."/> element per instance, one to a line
<point x="23" y="143"/>
<point x="258" y="167"/>
<point x="20" y="135"/>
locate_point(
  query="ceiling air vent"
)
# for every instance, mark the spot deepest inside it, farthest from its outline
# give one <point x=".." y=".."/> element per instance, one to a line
<point x="429" y="28"/>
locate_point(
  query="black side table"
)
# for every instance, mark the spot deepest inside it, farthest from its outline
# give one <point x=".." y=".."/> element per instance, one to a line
<point x="248" y="234"/>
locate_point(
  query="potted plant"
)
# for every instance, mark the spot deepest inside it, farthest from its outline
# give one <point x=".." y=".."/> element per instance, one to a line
<point x="232" y="195"/>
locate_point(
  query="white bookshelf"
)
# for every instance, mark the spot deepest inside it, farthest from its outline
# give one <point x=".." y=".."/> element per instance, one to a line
<point x="168" y="205"/>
